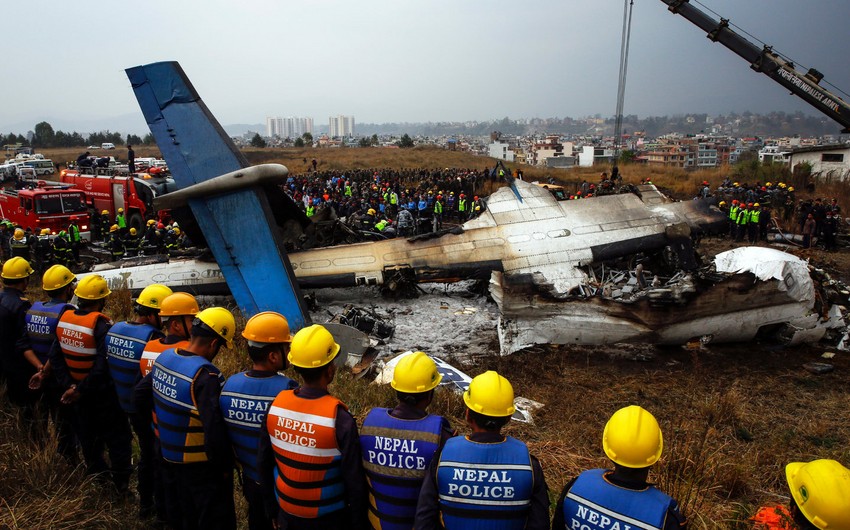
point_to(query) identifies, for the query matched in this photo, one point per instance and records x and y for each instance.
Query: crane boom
(765, 60)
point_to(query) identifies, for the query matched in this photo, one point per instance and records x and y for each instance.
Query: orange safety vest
(152, 350)
(308, 478)
(76, 339)
(773, 518)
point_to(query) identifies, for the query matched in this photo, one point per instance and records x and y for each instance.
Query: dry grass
(732, 416)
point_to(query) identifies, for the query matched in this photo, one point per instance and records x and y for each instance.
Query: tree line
(43, 135)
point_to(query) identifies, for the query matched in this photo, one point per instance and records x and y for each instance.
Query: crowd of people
(303, 462)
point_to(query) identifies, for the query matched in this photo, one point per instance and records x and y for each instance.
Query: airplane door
(118, 195)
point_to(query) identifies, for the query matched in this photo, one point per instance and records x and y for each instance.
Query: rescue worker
(438, 213)
(5, 237)
(120, 221)
(462, 208)
(753, 224)
(75, 239)
(733, 218)
(42, 318)
(62, 250)
(398, 444)
(176, 312)
(319, 481)
(245, 400)
(486, 479)
(78, 360)
(20, 245)
(183, 390)
(43, 251)
(151, 239)
(742, 221)
(172, 241)
(132, 243)
(125, 344)
(115, 244)
(18, 362)
(632, 440)
(820, 499)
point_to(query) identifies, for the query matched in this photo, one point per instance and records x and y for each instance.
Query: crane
(765, 60)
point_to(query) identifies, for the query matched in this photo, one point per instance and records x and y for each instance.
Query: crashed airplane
(611, 269)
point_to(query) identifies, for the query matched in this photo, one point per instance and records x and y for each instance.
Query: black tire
(136, 221)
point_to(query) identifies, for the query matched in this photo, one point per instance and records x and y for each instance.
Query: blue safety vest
(42, 319)
(125, 343)
(592, 500)
(396, 455)
(484, 486)
(181, 433)
(244, 402)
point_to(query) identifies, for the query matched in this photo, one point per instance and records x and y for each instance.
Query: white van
(41, 167)
(107, 145)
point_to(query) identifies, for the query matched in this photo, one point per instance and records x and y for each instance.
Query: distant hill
(238, 129)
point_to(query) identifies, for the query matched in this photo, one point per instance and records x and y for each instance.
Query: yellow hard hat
(56, 277)
(791, 188)
(19, 234)
(120, 210)
(220, 320)
(782, 184)
(756, 205)
(176, 231)
(768, 184)
(45, 232)
(822, 491)
(416, 373)
(16, 268)
(151, 222)
(632, 438)
(92, 287)
(153, 295)
(490, 394)
(104, 212)
(178, 304)
(312, 347)
(132, 231)
(267, 327)
(722, 203)
(371, 211)
(736, 184)
(113, 228)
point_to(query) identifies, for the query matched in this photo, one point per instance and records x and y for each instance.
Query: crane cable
(621, 82)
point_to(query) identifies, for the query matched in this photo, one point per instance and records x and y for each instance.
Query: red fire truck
(105, 191)
(46, 207)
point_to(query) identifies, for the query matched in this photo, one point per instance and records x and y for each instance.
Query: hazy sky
(397, 60)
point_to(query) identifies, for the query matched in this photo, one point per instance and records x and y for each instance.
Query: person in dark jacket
(78, 360)
(183, 389)
(632, 440)
(310, 461)
(246, 397)
(485, 479)
(17, 360)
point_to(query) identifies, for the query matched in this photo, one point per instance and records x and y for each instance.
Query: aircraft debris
(818, 368)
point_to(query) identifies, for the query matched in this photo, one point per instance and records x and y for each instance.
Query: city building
(829, 162)
(339, 126)
(289, 127)
(502, 151)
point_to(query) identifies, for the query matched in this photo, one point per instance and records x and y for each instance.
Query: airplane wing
(239, 226)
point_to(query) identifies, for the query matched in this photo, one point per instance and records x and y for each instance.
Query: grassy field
(732, 416)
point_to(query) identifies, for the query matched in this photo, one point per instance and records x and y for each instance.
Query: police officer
(398, 444)
(42, 319)
(176, 312)
(245, 399)
(486, 479)
(125, 344)
(78, 360)
(632, 440)
(17, 360)
(313, 444)
(184, 389)
(820, 499)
